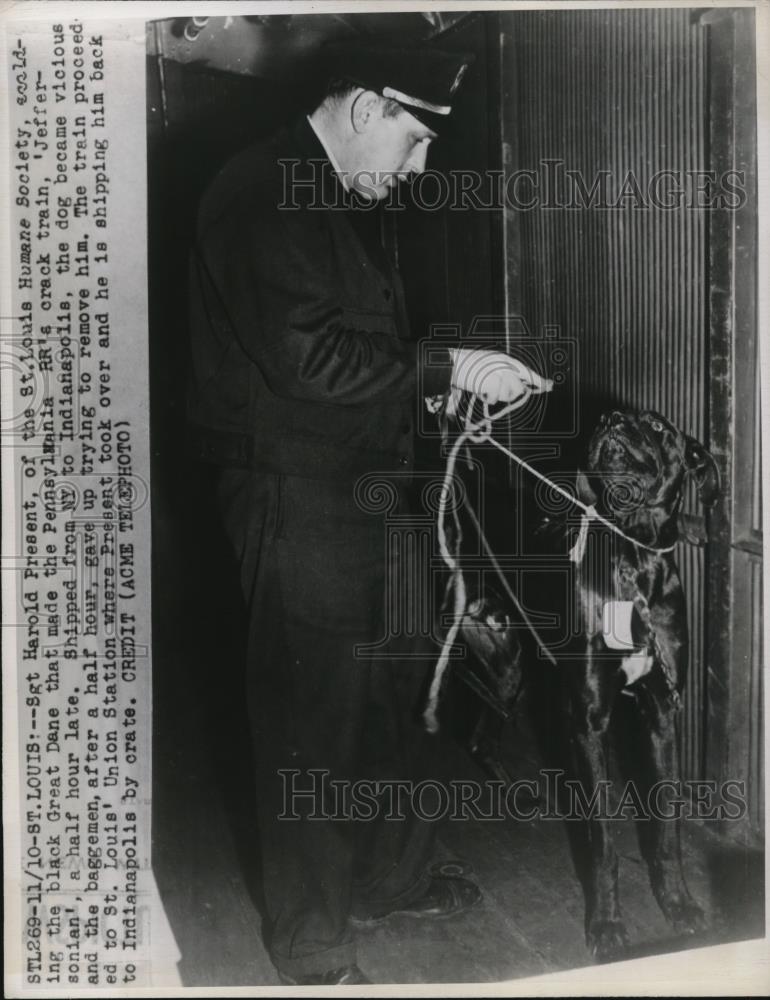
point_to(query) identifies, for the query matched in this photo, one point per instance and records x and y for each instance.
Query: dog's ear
(703, 467)
(584, 490)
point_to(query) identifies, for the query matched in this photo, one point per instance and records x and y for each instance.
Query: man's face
(389, 148)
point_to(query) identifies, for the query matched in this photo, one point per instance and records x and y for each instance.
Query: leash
(481, 433)
(474, 433)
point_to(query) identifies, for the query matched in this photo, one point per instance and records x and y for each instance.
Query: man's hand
(493, 376)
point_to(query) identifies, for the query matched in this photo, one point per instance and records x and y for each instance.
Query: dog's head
(636, 469)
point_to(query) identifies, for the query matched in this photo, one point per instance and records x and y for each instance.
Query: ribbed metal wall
(755, 568)
(620, 91)
(756, 719)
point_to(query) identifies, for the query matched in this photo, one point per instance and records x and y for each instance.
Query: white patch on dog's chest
(616, 624)
(636, 666)
(617, 631)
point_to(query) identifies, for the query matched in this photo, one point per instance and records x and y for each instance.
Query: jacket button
(404, 460)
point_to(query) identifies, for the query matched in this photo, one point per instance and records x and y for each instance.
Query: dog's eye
(656, 426)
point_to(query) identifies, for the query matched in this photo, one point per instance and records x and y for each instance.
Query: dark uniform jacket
(302, 359)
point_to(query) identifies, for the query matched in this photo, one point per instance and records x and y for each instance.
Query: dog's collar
(590, 513)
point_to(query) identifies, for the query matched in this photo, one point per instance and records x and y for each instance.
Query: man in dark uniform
(305, 378)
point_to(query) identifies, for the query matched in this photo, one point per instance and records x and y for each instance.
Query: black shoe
(445, 896)
(348, 975)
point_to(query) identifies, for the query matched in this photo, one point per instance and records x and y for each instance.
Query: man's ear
(364, 109)
(584, 490)
(701, 464)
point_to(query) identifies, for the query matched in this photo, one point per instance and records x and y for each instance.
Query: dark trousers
(313, 569)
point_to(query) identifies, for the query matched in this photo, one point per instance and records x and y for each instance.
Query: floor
(531, 917)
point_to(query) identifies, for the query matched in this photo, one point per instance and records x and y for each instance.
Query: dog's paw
(682, 912)
(606, 939)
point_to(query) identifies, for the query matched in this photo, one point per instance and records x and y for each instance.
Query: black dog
(631, 635)
(636, 470)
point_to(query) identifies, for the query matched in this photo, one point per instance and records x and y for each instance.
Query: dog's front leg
(593, 687)
(661, 839)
